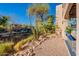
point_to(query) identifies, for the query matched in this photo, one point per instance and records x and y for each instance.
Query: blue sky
(18, 11)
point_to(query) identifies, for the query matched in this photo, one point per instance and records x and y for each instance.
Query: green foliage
(18, 46)
(69, 29)
(3, 20)
(50, 20)
(45, 28)
(50, 24)
(40, 9)
(53, 28)
(41, 27)
(35, 33)
(6, 48)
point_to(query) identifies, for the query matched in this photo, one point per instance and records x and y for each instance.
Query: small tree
(50, 25)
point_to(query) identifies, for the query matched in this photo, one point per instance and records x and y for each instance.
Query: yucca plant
(38, 10)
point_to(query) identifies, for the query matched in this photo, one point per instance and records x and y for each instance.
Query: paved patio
(54, 46)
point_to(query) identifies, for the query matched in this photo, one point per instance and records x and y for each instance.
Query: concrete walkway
(54, 46)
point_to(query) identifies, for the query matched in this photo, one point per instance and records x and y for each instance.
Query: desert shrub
(6, 48)
(18, 46)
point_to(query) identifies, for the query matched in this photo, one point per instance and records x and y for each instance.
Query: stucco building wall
(59, 16)
(62, 13)
(77, 41)
(60, 21)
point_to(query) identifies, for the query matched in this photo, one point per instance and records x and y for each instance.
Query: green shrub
(18, 46)
(50, 24)
(6, 48)
(53, 28)
(69, 29)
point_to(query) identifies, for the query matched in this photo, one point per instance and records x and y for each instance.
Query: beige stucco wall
(77, 41)
(60, 21)
(59, 18)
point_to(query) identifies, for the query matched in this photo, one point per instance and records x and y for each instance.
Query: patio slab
(54, 46)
